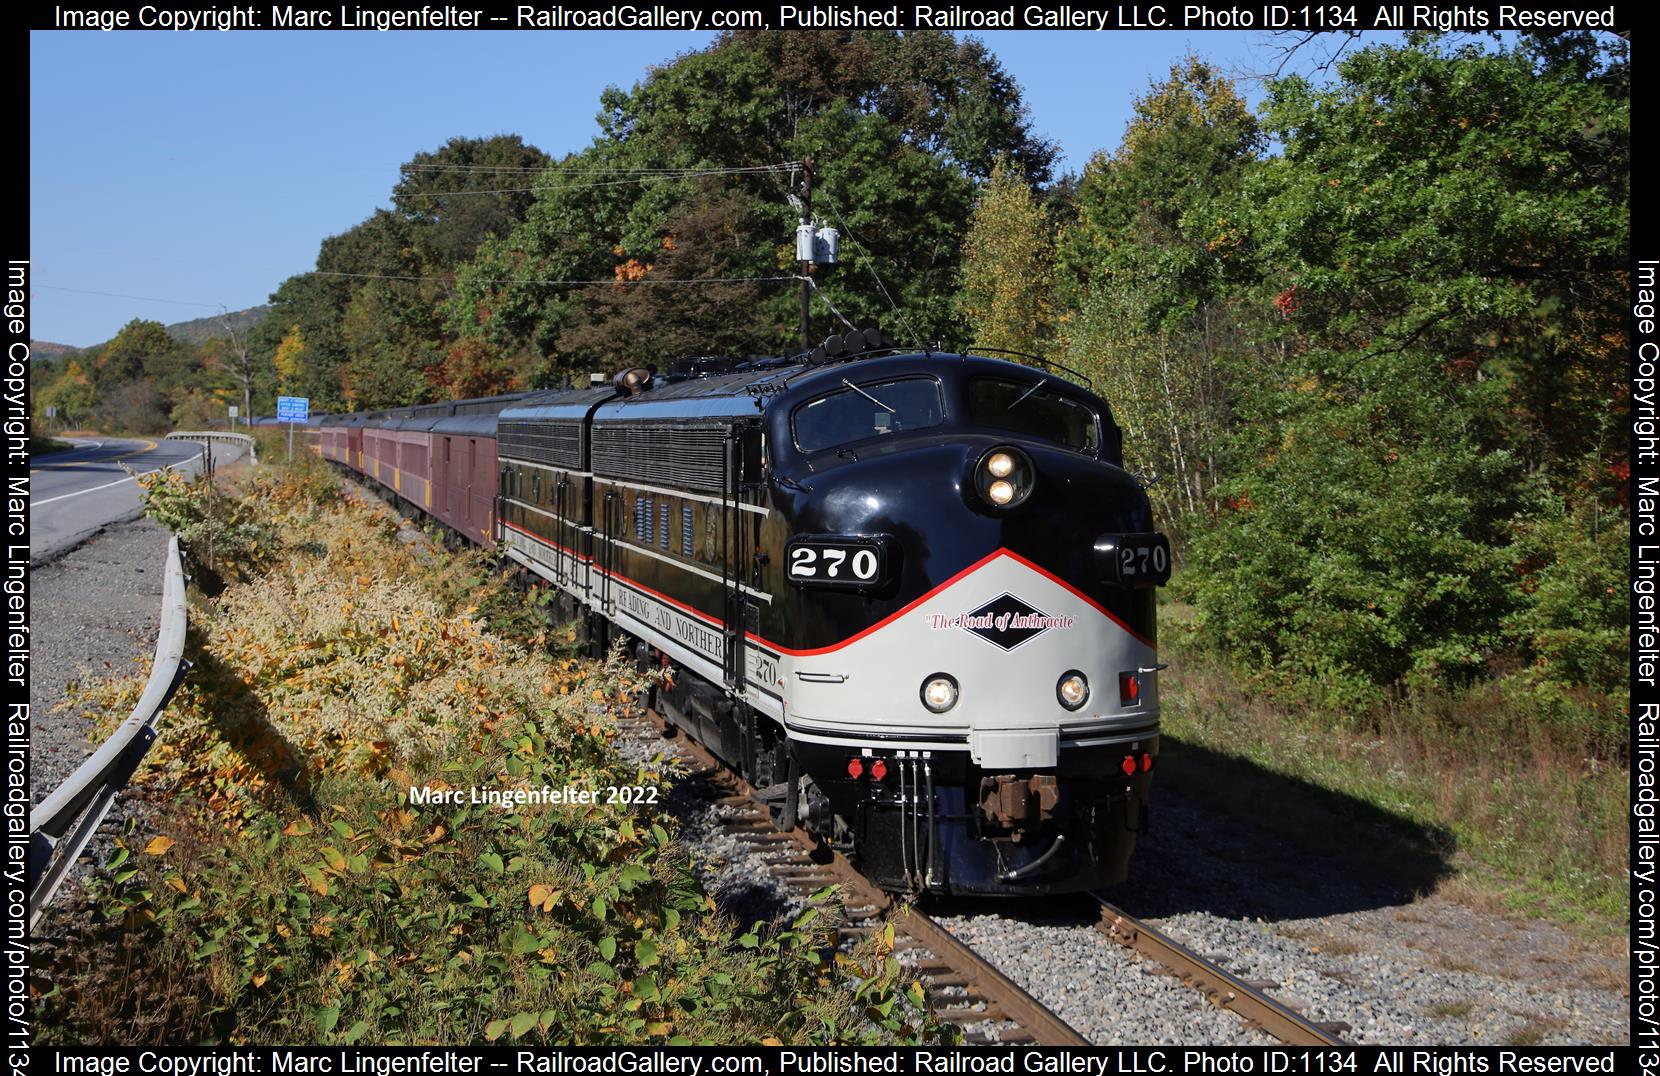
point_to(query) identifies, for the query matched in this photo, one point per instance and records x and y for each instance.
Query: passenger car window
(857, 413)
(1034, 410)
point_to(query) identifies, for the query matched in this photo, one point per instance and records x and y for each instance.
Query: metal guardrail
(212, 437)
(90, 791)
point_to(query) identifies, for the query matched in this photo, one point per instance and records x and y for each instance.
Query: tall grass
(1515, 816)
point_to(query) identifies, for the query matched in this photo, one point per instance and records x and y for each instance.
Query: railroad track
(963, 988)
(1221, 987)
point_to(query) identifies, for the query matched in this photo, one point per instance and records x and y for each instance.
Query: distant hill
(199, 331)
(202, 330)
(45, 349)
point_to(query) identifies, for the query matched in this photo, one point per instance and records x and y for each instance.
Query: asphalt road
(73, 494)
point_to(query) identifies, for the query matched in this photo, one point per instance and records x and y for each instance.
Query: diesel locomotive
(909, 595)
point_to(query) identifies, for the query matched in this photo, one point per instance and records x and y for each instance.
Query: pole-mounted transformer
(819, 245)
(814, 245)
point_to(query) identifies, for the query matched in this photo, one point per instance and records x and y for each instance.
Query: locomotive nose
(1019, 480)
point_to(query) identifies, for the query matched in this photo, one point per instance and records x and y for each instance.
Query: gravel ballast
(1336, 944)
(93, 612)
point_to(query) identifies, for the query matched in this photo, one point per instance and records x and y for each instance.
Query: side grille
(557, 444)
(685, 457)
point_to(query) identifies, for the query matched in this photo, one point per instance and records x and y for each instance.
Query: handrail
(91, 790)
(242, 439)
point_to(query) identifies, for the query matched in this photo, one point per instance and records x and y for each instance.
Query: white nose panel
(1007, 632)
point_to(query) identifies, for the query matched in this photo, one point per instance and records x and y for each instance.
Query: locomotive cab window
(861, 412)
(1033, 410)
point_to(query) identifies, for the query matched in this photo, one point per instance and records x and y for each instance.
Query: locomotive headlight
(939, 692)
(1004, 477)
(1072, 690)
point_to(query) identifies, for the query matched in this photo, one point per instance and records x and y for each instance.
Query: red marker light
(1129, 688)
(879, 770)
(1128, 765)
(1146, 762)
(855, 768)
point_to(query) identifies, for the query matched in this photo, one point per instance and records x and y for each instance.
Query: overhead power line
(870, 264)
(820, 293)
(782, 167)
(569, 283)
(121, 295)
(643, 178)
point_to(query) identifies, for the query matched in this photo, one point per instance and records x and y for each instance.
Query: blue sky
(204, 168)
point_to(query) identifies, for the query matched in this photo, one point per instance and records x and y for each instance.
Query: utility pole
(807, 265)
(244, 370)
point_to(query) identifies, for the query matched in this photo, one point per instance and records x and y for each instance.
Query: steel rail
(90, 791)
(1046, 1028)
(1008, 1000)
(1223, 989)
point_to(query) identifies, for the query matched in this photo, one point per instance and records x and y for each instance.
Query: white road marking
(107, 485)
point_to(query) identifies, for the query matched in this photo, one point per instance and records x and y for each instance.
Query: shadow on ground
(1235, 839)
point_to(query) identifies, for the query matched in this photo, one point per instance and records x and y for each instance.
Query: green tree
(197, 409)
(1440, 244)
(386, 347)
(900, 128)
(374, 252)
(1008, 265)
(72, 393)
(1149, 277)
(135, 350)
(1473, 207)
(453, 198)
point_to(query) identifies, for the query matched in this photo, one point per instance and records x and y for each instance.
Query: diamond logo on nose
(1009, 622)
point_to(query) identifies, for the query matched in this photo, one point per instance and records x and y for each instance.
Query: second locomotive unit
(910, 596)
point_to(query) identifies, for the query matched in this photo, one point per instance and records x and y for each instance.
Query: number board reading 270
(851, 562)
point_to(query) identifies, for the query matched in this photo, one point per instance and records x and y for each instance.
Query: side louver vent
(557, 444)
(684, 457)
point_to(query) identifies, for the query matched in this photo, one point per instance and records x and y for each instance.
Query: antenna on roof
(1037, 360)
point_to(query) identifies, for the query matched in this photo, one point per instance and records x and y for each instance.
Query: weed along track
(963, 987)
(346, 835)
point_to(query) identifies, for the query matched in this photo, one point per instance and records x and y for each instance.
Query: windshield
(858, 412)
(1034, 410)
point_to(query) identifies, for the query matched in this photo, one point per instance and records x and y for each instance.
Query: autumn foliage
(289, 882)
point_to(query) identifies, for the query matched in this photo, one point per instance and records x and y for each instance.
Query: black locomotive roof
(747, 392)
(742, 393)
(559, 405)
(828, 376)
(733, 395)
